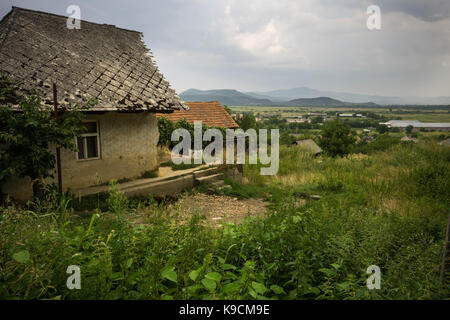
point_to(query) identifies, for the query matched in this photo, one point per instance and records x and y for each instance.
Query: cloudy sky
(263, 45)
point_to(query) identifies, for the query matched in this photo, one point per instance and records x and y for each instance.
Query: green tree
(337, 139)
(381, 128)
(248, 121)
(286, 139)
(165, 127)
(29, 133)
(316, 120)
(409, 129)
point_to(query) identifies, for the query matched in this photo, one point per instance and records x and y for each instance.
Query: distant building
(295, 120)
(316, 114)
(348, 115)
(417, 125)
(407, 139)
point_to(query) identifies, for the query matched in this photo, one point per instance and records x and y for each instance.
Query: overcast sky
(263, 45)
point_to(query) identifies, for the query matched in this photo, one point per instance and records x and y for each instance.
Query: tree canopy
(337, 139)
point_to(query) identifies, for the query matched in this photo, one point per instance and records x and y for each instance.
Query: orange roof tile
(210, 113)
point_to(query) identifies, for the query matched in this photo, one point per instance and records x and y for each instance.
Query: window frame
(84, 136)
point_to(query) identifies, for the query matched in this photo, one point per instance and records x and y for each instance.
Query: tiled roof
(210, 113)
(96, 61)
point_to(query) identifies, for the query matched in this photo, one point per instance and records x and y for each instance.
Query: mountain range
(303, 96)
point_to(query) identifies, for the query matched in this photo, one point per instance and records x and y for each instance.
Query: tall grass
(387, 208)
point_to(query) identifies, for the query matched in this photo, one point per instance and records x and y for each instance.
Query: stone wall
(128, 147)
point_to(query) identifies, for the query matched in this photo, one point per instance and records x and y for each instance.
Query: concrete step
(218, 184)
(209, 179)
(205, 172)
(166, 187)
(145, 182)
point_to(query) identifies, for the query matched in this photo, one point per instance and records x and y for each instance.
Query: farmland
(427, 114)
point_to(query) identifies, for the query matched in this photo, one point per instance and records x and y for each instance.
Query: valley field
(425, 114)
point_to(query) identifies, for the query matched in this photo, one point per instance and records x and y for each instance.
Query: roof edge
(14, 8)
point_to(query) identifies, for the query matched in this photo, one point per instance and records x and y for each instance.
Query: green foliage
(336, 139)
(383, 142)
(149, 174)
(409, 129)
(286, 139)
(29, 134)
(117, 202)
(166, 127)
(300, 250)
(247, 121)
(432, 181)
(381, 128)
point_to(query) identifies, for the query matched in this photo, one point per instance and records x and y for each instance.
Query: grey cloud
(258, 45)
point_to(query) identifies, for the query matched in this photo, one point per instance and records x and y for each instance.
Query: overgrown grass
(387, 208)
(149, 174)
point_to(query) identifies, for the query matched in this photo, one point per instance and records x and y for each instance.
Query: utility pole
(58, 150)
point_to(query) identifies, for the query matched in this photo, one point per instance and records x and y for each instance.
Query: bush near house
(28, 135)
(166, 127)
(388, 209)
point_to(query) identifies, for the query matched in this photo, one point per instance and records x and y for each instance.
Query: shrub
(117, 202)
(337, 139)
(382, 143)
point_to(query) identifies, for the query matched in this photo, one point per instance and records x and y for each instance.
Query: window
(88, 142)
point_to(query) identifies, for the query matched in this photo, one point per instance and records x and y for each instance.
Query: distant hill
(316, 102)
(235, 98)
(288, 97)
(305, 92)
(224, 96)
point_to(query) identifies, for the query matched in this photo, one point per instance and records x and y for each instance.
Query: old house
(310, 145)
(97, 61)
(409, 139)
(209, 113)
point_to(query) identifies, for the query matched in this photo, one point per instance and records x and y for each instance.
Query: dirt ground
(218, 209)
